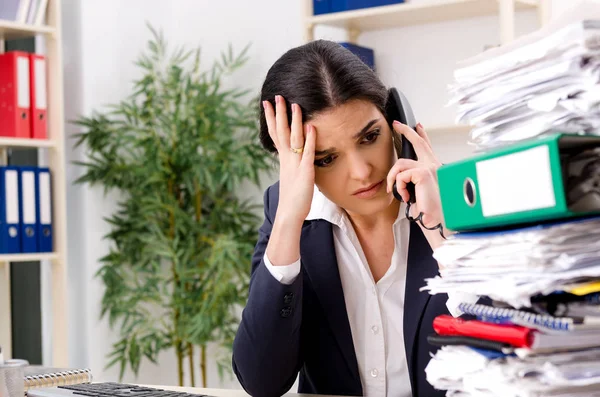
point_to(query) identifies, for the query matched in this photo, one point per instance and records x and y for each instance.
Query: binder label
(28, 197)
(23, 93)
(45, 208)
(12, 196)
(516, 182)
(40, 84)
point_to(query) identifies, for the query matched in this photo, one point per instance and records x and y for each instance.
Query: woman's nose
(360, 168)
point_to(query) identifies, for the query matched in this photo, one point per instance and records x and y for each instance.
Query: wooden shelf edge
(28, 257)
(450, 128)
(27, 143)
(530, 3)
(13, 30)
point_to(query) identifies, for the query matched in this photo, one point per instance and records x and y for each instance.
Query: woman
(336, 272)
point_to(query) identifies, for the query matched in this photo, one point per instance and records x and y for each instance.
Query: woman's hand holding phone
(422, 173)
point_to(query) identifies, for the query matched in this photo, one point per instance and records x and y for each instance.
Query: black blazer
(304, 327)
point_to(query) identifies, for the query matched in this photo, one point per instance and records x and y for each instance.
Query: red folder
(39, 99)
(15, 113)
(514, 335)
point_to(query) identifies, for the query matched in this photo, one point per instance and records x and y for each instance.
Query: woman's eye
(325, 161)
(371, 136)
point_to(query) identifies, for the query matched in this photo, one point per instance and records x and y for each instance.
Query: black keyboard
(111, 389)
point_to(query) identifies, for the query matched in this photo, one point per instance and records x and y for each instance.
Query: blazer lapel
(320, 263)
(421, 265)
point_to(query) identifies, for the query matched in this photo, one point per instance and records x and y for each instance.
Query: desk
(223, 392)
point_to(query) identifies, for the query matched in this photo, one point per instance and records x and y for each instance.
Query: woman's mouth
(368, 191)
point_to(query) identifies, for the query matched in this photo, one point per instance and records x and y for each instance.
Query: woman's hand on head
(423, 173)
(296, 168)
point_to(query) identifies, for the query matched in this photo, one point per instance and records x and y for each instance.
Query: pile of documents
(514, 265)
(482, 374)
(535, 328)
(543, 83)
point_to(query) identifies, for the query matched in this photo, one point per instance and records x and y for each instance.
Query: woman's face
(354, 153)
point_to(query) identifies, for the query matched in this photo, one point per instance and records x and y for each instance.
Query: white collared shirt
(375, 310)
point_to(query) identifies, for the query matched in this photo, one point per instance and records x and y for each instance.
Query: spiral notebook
(527, 319)
(40, 376)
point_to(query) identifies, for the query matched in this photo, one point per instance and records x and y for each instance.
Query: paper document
(544, 83)
(513, 265)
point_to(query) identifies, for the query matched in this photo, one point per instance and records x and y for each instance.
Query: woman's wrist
(285, 220)
(284, 244)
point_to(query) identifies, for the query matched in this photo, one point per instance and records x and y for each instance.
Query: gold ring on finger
(297, 151)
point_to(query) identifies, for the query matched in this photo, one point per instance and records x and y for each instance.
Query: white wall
(559, 6)
(102, 38)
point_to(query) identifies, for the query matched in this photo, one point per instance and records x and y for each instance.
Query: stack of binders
(23, 95)
(526, 258)
(25, 210)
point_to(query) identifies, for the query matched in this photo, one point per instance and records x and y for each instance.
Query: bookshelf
(419, 12)
(27, 143)
(44, 256)
(54, 146)
(10, 30)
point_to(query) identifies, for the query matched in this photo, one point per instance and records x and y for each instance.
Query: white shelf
(10, 30)
(413, 13)
(452, 128)
(28, 257)
(27, 143)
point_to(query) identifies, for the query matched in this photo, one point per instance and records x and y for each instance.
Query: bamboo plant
(177, 150)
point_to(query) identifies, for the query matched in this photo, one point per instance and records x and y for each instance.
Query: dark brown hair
(318, 76)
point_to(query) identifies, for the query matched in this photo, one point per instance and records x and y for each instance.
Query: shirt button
(374, 291)
(375, 329)
(374, 372)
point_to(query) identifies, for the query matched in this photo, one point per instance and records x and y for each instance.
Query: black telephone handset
(398, 108)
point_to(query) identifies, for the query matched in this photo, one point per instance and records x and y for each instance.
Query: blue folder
(347, 5)
(367, 55)
(321, 7)
(27, 209)
(43, 191)
(10, 241)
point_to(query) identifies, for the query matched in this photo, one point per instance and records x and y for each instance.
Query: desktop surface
(226, 392)
(115, 389)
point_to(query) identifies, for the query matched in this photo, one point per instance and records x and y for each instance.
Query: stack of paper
(505, 352)
(513, 265)
(479, 374)
(547, 82)
(535, 330)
